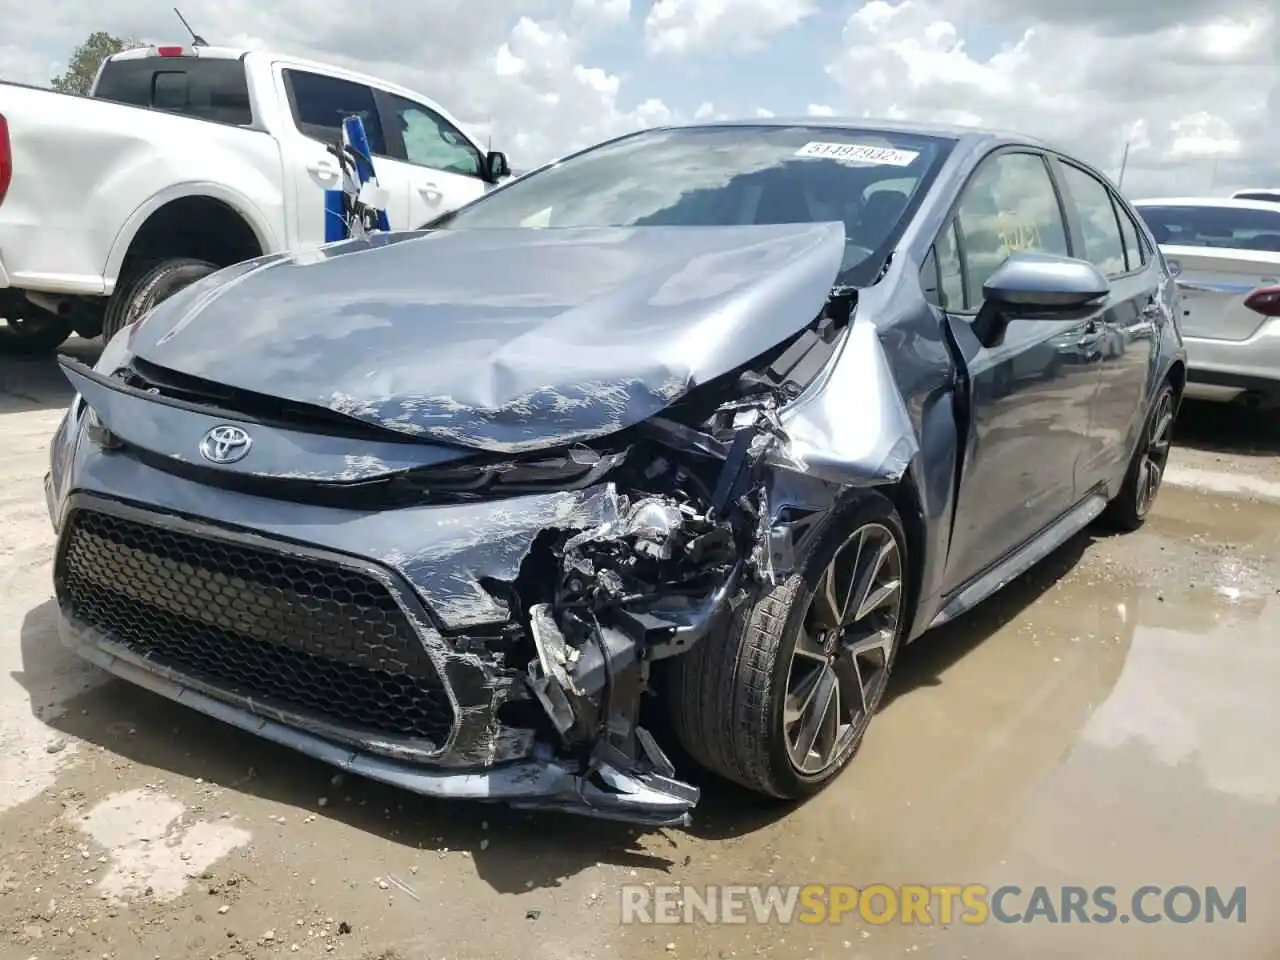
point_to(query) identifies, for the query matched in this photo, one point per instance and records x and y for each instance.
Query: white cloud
(683, 27)
(528, 80)
(1188, 84)
(603, 13)
(1201, 135)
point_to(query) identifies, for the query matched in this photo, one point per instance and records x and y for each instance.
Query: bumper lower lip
(535, 784)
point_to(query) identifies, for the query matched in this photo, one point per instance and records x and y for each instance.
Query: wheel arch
(251, 233)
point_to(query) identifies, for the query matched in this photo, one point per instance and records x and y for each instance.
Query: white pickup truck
(106, 208)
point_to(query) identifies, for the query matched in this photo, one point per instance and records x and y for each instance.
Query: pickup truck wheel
(142, 289)
(34, 331)
(780, 702)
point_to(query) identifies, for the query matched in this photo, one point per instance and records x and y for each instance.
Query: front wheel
(780, 702)
(1128, 511)
(145, 288)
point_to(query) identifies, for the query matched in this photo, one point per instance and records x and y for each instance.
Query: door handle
(431, 193)
(323, 171)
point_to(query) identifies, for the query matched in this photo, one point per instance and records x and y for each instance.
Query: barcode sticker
(858, 153)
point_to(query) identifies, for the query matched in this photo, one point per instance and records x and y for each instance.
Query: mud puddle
(1110, 719)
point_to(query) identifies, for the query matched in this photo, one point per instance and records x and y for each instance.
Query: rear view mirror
(1041, 285)
(1038, 286)
(496, 166)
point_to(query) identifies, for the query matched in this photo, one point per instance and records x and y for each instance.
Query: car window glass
(950, 271)
(1237, 228)
(1103, 245)
(210, 89)
(1009, 205)
(431, 141)
(1133, 252)
(321, 103)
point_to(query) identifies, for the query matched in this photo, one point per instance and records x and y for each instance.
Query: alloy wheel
(1155, 457)
(840, 664)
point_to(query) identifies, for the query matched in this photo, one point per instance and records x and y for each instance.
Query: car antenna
(196, 39)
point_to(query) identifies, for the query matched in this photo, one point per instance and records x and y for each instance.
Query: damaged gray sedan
(706, 420)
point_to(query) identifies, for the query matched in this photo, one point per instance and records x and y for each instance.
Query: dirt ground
(1109, 719)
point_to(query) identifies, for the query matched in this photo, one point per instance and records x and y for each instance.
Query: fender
(242, 205)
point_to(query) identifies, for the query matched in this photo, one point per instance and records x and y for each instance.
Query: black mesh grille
(316, 637)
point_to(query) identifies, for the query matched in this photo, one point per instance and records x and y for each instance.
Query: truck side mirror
(496, 166)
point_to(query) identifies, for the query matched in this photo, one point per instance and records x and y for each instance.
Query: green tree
(83, 66)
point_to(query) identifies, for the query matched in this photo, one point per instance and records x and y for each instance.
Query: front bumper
(474, 755)
(540, 782)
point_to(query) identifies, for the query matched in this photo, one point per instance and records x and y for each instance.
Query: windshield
(1235, 228)
(869, 180)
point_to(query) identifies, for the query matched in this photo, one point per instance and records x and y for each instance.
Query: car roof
(1220, 202)
(971, 135)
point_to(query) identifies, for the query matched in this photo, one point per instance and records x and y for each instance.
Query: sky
(1191, 86)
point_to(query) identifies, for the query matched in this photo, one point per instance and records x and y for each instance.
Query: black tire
(1129, 510)
(726, 694)
(143, 287)
(34, 332)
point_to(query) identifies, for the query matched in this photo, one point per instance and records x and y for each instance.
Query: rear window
(1234, 229)
(209, 89)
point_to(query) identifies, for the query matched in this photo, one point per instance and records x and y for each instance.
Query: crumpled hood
(502, 340)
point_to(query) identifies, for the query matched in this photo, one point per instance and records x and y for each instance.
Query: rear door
(439, 165)
(1221, 255)
(1122, 345)
(1028, 394)
(319, 104)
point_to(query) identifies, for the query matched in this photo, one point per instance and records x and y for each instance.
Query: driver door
(1028, 394)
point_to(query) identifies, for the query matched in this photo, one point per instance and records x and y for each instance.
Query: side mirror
(1043, 286)
(496, 166)
(1038, 286)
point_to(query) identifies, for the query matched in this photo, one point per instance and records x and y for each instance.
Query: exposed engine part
(648, 584)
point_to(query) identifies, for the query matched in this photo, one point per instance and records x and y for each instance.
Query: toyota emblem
(225, 444)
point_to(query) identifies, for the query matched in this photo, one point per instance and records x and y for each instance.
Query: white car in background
(1226, 256)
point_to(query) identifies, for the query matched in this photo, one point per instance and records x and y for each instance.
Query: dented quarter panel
(503, 340)
(852, 426)
(924, 374)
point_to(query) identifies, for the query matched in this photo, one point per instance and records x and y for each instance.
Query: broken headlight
(571, 469)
